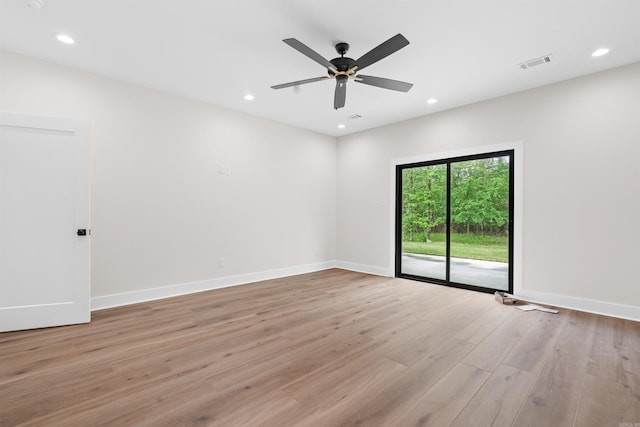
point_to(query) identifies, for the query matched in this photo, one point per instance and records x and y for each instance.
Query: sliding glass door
(455, 221)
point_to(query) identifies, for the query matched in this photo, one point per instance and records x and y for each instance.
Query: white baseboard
(622, 311)
(126, 298)
(362, 268)
(108, 301)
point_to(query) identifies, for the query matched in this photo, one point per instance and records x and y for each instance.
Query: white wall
(162, 214)
(581, 143)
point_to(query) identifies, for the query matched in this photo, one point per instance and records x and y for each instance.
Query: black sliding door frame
(398, 215)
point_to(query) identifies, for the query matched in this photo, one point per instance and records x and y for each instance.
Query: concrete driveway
(489, 274)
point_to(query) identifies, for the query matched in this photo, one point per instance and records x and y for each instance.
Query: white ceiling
(460, 51)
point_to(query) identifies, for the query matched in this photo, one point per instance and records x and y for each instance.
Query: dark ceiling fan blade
(300, 82)
(308, 52)
(341, 94)
(381, 51)
(384, 83)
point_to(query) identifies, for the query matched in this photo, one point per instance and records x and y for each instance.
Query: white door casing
(44, 199)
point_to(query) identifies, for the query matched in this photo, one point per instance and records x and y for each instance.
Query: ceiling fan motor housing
(341, 64)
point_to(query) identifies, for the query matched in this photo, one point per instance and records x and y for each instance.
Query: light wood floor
(325, 349)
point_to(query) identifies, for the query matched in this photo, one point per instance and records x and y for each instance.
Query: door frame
(518, 175)
(78, 310)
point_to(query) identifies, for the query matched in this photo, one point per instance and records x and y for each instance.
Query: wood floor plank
(531, 351)
(498, 401)
(490, 352)
(612, 375)
(484, 324)
(613, 353)
(443, 402)
(333, 409)
(330, 348)
(554, 397)
(412, 343)
(384, 406)
(606, 402)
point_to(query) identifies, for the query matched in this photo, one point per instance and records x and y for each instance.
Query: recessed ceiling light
(341, 126)
(600, 52)
(431, 101)
(249, 97)
(65, 39)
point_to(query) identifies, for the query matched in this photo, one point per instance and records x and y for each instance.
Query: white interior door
(44, 201)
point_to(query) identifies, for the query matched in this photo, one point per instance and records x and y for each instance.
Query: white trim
(362, 268)
(518, 211)
(582, 304)
(134, 297)
(116, 300)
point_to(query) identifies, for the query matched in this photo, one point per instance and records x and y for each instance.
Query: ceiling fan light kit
(343, 69)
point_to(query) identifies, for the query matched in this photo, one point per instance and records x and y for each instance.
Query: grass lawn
(488, 248)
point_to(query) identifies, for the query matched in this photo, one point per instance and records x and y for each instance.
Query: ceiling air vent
(35, 4)
(535, 62)
(354, 117)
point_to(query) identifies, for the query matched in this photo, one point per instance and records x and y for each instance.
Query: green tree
(423, 201)
(479, 198)
(480, 194)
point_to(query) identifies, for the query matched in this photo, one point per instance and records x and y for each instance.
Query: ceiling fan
(343, 69)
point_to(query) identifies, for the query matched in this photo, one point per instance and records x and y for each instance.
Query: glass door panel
(424, 221)
(480, 222)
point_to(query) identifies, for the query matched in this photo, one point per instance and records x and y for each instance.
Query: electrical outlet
(220, 262)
